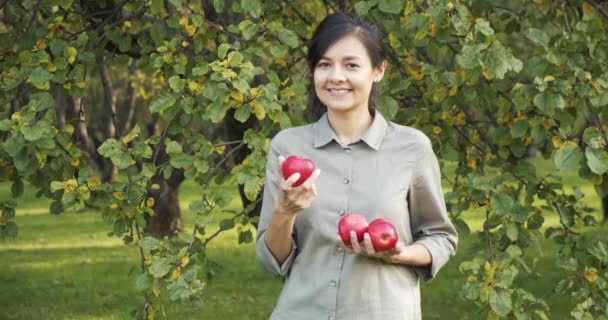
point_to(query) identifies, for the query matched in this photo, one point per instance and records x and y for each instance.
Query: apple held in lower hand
(352, 222)
(383, 235)
(305, 167)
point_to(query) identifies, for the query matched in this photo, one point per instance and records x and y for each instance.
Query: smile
(338, 92)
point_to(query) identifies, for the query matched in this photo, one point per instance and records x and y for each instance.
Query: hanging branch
(565, 14)
(598, 7)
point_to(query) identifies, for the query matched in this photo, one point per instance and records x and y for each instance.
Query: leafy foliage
(489, 83)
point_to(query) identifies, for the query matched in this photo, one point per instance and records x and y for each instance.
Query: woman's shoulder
(407, 134)
(294, 134)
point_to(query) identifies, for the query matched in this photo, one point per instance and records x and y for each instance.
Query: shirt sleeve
(430, 224)
(265, 257)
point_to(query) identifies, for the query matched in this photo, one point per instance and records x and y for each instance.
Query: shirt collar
(373, 137)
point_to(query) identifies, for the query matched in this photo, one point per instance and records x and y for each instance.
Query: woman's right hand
(290, 199)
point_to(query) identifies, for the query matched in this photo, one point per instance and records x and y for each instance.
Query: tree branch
(598, 123)
(565, 14)
(489, 235)
(598, 7)
(561, 220)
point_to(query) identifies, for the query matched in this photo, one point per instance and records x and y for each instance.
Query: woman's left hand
(366, 248)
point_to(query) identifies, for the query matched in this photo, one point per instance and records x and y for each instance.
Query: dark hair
(333, 28)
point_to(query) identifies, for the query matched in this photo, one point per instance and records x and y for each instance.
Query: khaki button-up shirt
(390, 173)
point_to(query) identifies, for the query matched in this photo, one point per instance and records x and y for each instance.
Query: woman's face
(344, 75)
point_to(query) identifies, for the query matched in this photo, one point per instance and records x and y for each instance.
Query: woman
(369, 166)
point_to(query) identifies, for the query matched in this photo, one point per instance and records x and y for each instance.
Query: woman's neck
(349, 127)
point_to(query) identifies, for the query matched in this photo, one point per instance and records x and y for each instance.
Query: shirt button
(330, 318)
(342, 212)
(334, 283)
(346, 180)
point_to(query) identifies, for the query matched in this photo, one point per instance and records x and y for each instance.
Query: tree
(112, 104)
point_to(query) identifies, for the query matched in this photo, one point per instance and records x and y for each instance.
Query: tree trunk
(167, 218)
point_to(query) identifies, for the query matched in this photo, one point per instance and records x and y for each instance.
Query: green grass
(66, 267)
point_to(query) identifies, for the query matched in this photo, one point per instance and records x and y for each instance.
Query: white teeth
(338, 91)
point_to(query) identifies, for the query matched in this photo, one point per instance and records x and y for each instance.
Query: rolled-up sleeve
(430, 224)
(265, 257)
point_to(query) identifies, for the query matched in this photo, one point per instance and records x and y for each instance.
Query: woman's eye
(322, 64)
(352, 65)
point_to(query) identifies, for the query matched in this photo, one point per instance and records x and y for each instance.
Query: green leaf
(245, 237)
(514, 251)
(134, 133)
(469, 57)
(538, 36)
(161, 103)
(568, 156)
(176, 3)
(548, 101)
(289, 38)
(242, 113)
(391, 6)
(177, 84)
(56, 207)
(226, 224)
(597, 160)
(519, 129)
(159, 267)
(149, 243)
(600, 100)
(535, 221)
(40, 77)
(511, 231)
(182, 160)
(483, 26)
(248, 29)
(157, 6)
(109, 148)
(253, 7)
(218, 5)
(500, 302)
(362, 7)
(594, 138)
(504, 278)
(122, 160)
(222, 50)
(388, 107)
(6, 124)
(174, 148)
(17, 188)
(501, 203)
(57, 185)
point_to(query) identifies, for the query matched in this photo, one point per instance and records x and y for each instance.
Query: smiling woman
(366, 165)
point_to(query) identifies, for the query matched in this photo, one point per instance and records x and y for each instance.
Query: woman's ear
(379, 71)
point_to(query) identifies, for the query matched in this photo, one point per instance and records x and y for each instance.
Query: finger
(314, 190)
(367, 243)
(313, 178)
(281, 160)
(354, 242)
(288, 184)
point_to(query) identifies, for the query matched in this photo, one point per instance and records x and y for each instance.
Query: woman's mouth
(338, 92)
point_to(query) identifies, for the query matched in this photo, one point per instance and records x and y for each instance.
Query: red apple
(352, 222)
(305, 167)
(383, 235)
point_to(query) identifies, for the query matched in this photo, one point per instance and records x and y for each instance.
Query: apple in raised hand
(352, 222)
(383, 234)
(305, 167)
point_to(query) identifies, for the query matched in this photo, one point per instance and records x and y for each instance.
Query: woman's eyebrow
(347, 58)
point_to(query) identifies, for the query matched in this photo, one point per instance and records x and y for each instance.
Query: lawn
(66, 267)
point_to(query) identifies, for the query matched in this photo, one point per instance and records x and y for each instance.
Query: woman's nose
(337, 74)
